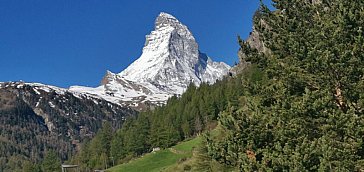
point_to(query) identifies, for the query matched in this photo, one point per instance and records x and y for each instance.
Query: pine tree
(51, 162)
(106, 137)
(117, 146)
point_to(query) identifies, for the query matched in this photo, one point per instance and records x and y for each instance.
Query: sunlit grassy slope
(161, 160)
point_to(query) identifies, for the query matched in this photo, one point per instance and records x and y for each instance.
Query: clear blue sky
(74, 42)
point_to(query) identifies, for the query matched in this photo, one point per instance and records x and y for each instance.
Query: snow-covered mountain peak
(164, 20)
(170, 61)
(166, 23)
(166, 15)
(169, 50)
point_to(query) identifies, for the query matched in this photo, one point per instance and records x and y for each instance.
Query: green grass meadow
(161, 160)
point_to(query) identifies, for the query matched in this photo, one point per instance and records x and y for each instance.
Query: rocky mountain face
(170, 61)
(255, 42)
(37, 117)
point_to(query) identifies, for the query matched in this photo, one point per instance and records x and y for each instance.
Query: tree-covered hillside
(183, 117)
(35, 120)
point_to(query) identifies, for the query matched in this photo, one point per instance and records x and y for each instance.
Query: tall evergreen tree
(51, 162)
(106, 137)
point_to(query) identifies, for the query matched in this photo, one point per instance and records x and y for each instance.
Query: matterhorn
(170, 61)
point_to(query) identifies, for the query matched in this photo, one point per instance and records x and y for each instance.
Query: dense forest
(296, 107)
